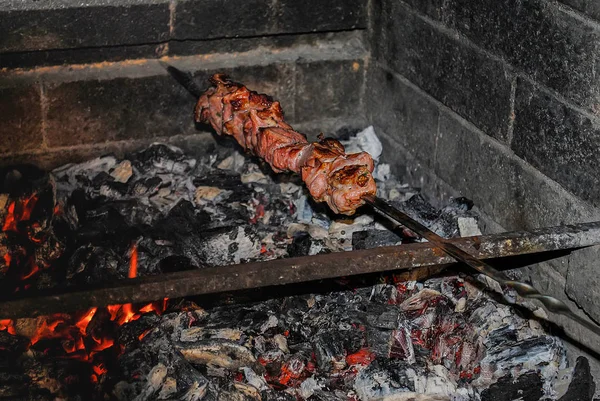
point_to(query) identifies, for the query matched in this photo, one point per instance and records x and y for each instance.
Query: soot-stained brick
(328, 89)
(553, 46)
(460, 76)
(431, 8)
(39, 28)
(321, 16)
(20, 119)
(403, 112)
(487, 172)
(590, 8)
(206, 19)
(96, 111)
(559, 141)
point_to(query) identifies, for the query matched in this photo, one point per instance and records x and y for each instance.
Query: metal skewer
(523, 289)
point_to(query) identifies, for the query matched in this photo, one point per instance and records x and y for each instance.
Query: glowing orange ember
(85, 320)
(362, 357)
(8, 325)
(99, 369)
(21, 213)
(133, 262)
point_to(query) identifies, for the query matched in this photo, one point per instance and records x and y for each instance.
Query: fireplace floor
(160, 210)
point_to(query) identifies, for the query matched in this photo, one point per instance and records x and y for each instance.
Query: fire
(73, 334)
(17, 214)
(8, 325)
(133, 262)
(85, 320)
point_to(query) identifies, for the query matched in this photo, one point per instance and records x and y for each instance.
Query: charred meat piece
(257, 124)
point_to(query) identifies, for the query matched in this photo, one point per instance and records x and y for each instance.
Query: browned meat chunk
(256, 122)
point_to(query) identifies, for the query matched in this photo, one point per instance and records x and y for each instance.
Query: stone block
(583, 281)
(321, 16)
(331, 88)
(462, 77)
(33, 26)
(590, 8)
(20, 118)
(548, 281)
(507, 189)
(208, 19)
(403, 112)
(558, 140)
(96, 111)
(432, 8)
(554, 46)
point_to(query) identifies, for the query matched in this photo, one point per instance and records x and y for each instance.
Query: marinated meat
(257, 124)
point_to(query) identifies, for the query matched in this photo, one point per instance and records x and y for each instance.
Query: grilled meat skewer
(257, 124)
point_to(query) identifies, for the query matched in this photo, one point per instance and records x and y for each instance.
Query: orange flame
(16, 214)
(85, 320)
(8, 325)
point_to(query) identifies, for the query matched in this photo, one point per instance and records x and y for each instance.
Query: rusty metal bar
(405, 258)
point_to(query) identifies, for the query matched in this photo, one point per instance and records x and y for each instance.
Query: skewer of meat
(257, 124)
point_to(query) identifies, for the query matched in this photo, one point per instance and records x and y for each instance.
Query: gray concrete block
(328, 89)
(509, 190)
(546, 280)
(404, 112)
(96, 111)
(460, 76)
(583, 280)
(20, 118)
(554, 46)
(73, 26)
(560, 141)
(588, 7)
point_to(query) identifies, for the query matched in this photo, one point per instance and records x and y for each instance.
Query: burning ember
(161, 211)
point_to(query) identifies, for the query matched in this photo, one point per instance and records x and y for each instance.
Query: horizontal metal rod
(404, 258)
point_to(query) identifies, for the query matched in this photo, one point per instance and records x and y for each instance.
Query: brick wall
(80, 80)
(498, 101)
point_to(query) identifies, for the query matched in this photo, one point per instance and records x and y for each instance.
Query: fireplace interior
(482, 119)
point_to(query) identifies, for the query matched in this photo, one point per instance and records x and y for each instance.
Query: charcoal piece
(383, 294)
(502, 337)
(418, 208)
(163, 157)
(300, 245)
(11, 343)
(374, 238)
(383, 378)
(182, 219)
(219, 353)
(129, 334)
(329, 351)
(92, 264)
(526, 387)
(353, 340)
(146, 186)
(226, 180)
(100, 179)
(271, 395)
(175, 263)
(582, 386)
(379, 341)
(383, 316)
